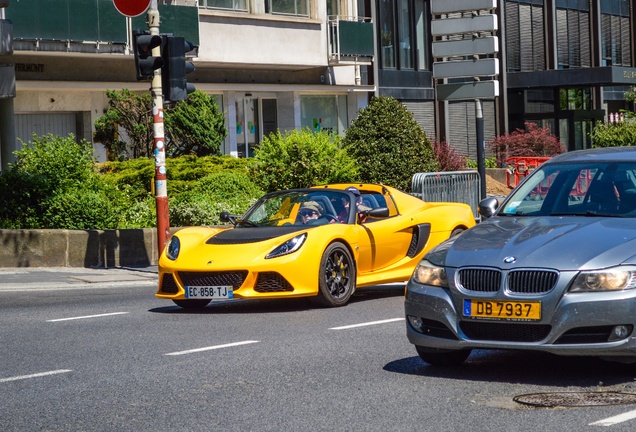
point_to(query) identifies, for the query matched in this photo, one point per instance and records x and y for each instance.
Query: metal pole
(481, 160)
(161, 187)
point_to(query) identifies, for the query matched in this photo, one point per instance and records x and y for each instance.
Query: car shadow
(283, 305)
(527, 367)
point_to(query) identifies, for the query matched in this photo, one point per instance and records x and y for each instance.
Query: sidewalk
(43, 278)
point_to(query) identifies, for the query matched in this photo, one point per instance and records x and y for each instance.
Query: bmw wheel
(337, 277)
(442, 357)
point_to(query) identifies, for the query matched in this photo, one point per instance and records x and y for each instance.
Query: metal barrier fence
(451, 186)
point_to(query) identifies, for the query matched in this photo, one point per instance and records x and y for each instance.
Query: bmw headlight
(428, 274)
(173, 248)
(290, 246)
(615, 279)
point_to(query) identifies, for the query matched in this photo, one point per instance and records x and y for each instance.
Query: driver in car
(310, 212)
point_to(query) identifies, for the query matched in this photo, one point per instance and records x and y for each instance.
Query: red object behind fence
(517, 168)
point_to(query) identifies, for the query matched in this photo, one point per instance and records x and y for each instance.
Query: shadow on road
(282, 305)
(534, 368)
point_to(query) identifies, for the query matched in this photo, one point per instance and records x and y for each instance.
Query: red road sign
(131, 8)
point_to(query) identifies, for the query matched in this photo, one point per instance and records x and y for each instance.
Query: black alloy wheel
(337, 277)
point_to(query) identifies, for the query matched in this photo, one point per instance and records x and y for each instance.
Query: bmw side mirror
(488, 207)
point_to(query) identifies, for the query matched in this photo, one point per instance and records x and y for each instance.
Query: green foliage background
(614, 134)
(56, 183)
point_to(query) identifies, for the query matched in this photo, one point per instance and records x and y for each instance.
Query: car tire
(442, 357)
(192, 304)
(337, 276)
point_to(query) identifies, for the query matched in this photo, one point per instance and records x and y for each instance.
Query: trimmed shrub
(299, 159)
(388, 145)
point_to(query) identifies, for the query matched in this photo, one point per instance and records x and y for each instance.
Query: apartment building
(269, 64)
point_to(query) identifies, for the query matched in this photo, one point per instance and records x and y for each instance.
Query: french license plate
(509, 310)
(217, 292)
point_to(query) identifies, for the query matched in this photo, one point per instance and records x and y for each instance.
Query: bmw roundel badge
(509, 260)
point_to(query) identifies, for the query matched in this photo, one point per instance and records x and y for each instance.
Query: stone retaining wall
(78, 248)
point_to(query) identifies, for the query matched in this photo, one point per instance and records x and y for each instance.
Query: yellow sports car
(321, 242)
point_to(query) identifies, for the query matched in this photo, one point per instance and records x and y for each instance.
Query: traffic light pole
(159, 147)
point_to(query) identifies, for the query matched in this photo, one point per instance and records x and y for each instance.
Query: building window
(387, 34)
(615, 33)
(324, 113)
(575, 99)
(404, 34)
(405, 38)
(525, 41)
(421, 35)
(236, 5)
(287, 7)
(277, 7)
(573, 33)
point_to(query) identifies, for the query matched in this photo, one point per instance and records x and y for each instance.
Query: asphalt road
(112, 357)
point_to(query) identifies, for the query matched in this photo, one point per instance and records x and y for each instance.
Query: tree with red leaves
(532, 142)
(447, 157)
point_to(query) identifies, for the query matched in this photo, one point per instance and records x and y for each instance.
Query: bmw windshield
(587, 189)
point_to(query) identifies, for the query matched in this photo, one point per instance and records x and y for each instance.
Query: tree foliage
(301, 158)
(195, 126)
(388, 145)
(192, 126)
(532, 141)
(132, 113)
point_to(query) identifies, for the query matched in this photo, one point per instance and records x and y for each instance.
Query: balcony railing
(350, 40)
(92, 26)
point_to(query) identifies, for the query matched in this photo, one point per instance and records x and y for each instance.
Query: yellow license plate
(510, 310)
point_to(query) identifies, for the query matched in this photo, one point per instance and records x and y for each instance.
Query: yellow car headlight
(428, 274)
(290, 246)
(616, 279)
(173, 248)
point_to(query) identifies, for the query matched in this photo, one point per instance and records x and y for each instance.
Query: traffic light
(146, 64)
(175, 68)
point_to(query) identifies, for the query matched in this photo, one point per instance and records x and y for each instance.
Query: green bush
(489, 162)
(222, 191)
(388, 144)
(614, 134)
(81, 209)
(59, 162)
(51, 183)
(139, 214)
(22, 195)
(299, 159)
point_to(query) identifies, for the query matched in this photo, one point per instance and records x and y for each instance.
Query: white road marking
(616, 419)
(196, 350)
(366, 324)
(87, 316)
(21, 377)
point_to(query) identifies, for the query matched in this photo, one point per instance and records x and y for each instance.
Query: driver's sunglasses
(307, 212)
